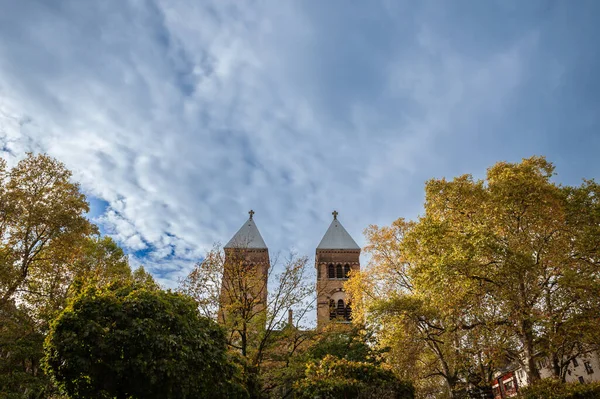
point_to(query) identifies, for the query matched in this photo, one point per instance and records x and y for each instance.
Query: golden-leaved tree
(509, 263)
(440, 349)
(42, 220)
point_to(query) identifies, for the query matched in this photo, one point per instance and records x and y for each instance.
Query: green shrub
(553, 389)
(333, 378)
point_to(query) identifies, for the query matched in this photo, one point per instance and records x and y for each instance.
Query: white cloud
(183, 116)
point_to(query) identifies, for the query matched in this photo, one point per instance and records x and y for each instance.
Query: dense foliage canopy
(496, 270)
(333, 378)
(129, 342)
(49, 250)
(553, 389)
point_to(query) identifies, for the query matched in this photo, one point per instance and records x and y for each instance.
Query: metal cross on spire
(334, 213)
(251, 213)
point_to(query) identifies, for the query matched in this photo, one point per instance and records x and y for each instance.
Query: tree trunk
(20, 279)
(526, 335)
(244, 336)
(533, 374)
(556, 369)
(451, 383)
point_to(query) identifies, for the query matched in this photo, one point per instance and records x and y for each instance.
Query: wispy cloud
(179, 116)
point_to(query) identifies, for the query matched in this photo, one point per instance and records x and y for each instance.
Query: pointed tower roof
(247, 236)
(337, 237)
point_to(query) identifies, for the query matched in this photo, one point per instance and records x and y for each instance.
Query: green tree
(128, 342)
(345, 342)
(94, 260)
(551, 388)
(141, 277)
(24, 326)
(334, 378)
(21, 341)
(292, 349)
(48, 250)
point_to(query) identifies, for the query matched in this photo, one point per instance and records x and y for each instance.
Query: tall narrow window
(331, 271)
(340, 308)
(348, 314)
(332, 310)
(339, 271)
(346, 271)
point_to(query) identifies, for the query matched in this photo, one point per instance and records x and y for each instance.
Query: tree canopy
(129, 342)
(42, 222)
(495, 270)
(332, 378)
(49, 251)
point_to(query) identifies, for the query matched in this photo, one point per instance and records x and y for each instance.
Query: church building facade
(336, 255)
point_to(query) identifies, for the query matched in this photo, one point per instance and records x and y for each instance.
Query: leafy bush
(353, 344)
(127, 342)
(333, 378)
(553, 389)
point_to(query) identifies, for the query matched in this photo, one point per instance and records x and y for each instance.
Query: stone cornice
(338, 251)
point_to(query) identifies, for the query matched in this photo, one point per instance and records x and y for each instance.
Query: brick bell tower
(245, 274)
(336, 255)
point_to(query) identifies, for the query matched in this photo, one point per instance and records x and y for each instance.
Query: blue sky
(179, 116)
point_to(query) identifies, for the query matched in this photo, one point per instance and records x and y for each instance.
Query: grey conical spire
(337, 237)
(247, 236)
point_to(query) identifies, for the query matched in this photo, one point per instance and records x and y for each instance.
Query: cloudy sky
(178, 116)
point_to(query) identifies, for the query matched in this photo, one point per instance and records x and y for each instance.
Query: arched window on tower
(348, 312)
(331, 271)
(341, 309)
(332, 310)
(339, 271)
(346, 270)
